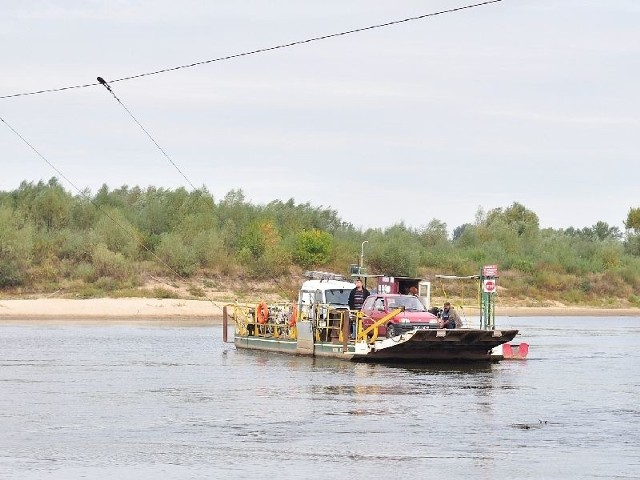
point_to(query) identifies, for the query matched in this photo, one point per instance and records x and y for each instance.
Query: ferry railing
(329, 324)
(279, 320)
(370, 334)
(332, 324)
(328, 321)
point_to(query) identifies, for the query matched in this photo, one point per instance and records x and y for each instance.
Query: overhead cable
(40, 155)
(103, 82)
(259, 50)
(84, 195)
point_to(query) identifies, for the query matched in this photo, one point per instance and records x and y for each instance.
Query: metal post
(362, 255)
(487, 301)
(484, 304)
(225, 324)
(346, 330)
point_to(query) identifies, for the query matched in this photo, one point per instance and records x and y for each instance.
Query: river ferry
(320, 324)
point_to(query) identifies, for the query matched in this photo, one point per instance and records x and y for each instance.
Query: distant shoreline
(566, 312)
(204, 312)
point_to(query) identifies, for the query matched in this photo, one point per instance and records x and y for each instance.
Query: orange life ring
(262, 313)
(293, 316)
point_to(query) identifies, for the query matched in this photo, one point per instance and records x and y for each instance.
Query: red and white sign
(489, 286)
(490, 271)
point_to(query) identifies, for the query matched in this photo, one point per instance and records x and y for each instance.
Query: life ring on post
(262, 313)
(293, 315)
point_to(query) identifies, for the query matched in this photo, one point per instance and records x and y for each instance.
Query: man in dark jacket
(358, 295)
(449, 318)
(356, 298)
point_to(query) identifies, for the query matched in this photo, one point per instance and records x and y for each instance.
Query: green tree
(633, 220)
(517, 217)
(632, 244)
(117, 233)
(252, 240)
(395, 251)
(110, 264)
(460, 229)
(388, 259)
(434, 234)
(210, 251)
(51, 206)
(602, 231)
(82, 213)
(175, 254)
(312, 248)
(15, 249)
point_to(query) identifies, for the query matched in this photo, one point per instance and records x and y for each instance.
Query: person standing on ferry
(356, 298)
(358, 295)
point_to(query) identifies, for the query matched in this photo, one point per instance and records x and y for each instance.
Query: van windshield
(338, 296)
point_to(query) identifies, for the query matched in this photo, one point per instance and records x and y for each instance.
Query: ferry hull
(413, 347)
(433, 345)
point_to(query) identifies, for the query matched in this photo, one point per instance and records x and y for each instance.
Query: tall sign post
(488, 285)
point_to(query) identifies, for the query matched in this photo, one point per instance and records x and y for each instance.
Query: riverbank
(210, 312)
(116, 310)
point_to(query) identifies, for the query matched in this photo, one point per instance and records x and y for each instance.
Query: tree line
(103, 242)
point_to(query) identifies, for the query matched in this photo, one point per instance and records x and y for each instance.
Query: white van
(331, 292)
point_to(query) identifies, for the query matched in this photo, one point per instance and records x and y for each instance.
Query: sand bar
(120, 310)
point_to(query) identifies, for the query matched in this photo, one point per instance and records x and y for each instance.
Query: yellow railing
(278, 323)
(373, 328)
(328, 323)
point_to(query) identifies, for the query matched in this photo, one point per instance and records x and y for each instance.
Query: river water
(148, 402)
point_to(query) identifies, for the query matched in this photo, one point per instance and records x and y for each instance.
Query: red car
(415, 314)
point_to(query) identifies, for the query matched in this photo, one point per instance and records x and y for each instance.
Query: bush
(210, 251)
(161, 292)
(84, 271)
(75, 245)
(176, 255)
(632, 245)
(196, 291)
(107, 284)
(391, 260)
(312, 248)
(110, 264)
(48, 270)
(630, 273)
(118, 234)
(274, 263)
(16, 246)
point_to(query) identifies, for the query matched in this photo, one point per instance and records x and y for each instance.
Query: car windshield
(338, 296)
(409, 302)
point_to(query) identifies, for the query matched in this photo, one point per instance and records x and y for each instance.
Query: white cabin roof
(313, 285)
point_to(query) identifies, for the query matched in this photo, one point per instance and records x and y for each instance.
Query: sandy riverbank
(117, 310)
(204, 312)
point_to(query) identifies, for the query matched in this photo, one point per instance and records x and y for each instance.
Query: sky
(535, 102)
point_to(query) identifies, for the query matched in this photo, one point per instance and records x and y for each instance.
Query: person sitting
(449, 318)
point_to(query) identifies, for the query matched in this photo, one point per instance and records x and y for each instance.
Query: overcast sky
(533, 101)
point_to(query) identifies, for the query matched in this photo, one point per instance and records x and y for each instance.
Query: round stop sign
(489, 286)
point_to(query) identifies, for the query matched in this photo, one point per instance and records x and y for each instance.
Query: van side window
(306, 298)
